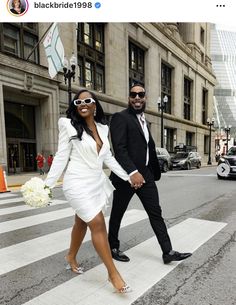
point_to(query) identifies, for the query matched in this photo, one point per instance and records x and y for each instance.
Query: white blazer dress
(85, 185)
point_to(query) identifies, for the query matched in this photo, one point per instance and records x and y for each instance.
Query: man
(134, 149)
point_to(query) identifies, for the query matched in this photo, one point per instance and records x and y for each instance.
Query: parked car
(186, 160)
(230, 160)
(164, 159)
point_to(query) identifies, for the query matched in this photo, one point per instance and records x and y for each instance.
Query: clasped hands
(137, 180)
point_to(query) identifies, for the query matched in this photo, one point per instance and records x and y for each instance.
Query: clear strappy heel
(124, 289)
(75, 269)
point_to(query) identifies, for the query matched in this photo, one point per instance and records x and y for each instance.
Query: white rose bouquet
(36, 193)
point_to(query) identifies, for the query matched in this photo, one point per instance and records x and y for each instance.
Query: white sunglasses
(86, 101)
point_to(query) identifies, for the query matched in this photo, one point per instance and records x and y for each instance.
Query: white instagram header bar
(215, 11)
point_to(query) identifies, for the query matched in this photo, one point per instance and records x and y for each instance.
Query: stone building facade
(170, 59)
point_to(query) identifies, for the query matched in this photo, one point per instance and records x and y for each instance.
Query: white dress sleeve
(62, 155)
(114, 166)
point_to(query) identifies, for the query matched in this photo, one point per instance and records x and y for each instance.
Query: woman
(17, 7)
(40, 163)
(49, 161)
(83, 141)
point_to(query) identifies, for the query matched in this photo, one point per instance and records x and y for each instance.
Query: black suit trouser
(148, 195)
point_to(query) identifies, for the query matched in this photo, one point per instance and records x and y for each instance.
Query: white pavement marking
(11, 200)
(25, 207)
(7, 195)
(143, 271)
(30, 251)
(24, 222)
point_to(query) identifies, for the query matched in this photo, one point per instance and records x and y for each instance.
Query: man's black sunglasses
(134, 94)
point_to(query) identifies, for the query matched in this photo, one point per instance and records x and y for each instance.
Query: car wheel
(188, 166)
(199, 165)
(165, 167)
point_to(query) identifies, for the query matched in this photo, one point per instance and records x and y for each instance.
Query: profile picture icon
(17, 7)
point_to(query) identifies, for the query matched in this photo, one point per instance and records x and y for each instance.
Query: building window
(189, 138)
(202, 36)
(19, 39)
(29, 42)
(20, 121)
(166, 73)
(136, 64)
(204, 106)
(91, 56)
(187, 98)
(169, 139)
(89, 76)
(88, 34)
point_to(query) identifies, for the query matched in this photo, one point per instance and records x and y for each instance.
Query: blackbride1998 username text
(63, 5)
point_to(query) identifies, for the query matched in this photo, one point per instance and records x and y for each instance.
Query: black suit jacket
(130, 146)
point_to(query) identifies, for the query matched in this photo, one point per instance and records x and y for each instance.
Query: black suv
(230, 161)
(186, 160)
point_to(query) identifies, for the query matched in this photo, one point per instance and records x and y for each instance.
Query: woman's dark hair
(78, 122)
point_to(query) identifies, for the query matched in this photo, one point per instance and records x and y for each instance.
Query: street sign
(223, 169)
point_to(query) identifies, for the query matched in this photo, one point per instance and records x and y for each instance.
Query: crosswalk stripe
(11, 200)
(143, 271)
(7, 195)
(24, 222)
(24, 207)
(14, 257)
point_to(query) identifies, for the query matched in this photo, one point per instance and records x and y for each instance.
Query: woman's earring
(95, 112)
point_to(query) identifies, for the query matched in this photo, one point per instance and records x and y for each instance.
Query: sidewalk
(15, 181)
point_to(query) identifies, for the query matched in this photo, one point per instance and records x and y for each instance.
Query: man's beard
(137, 111)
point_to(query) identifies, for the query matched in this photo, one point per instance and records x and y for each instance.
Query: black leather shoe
(119, 256)
(174, 256)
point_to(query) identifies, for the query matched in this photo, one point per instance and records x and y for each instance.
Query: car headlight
(182, 162)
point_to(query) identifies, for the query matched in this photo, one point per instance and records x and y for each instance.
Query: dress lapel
(102, 132)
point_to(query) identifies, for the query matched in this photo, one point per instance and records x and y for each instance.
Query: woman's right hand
(137, 180)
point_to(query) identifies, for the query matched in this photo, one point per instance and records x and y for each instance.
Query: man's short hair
(136, 85)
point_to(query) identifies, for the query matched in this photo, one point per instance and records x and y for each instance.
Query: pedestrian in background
(40, 163)
(49, 161)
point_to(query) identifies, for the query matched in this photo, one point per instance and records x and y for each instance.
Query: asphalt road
(33, 243)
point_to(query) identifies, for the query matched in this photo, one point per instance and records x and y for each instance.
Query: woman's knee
(97, 223)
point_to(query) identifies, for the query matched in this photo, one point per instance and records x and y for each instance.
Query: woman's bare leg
(100, 242)
(77, 235)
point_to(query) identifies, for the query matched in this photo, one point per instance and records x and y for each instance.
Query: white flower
(36, 193)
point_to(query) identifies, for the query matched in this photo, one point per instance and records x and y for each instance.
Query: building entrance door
(21, 137)
(21, 157)
(13, 158)
(28, 155)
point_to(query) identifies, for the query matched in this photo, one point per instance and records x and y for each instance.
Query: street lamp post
(161, 105)
(227, 130)
(210, 123)
(69, 74)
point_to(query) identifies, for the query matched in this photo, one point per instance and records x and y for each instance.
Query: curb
(18, 185)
